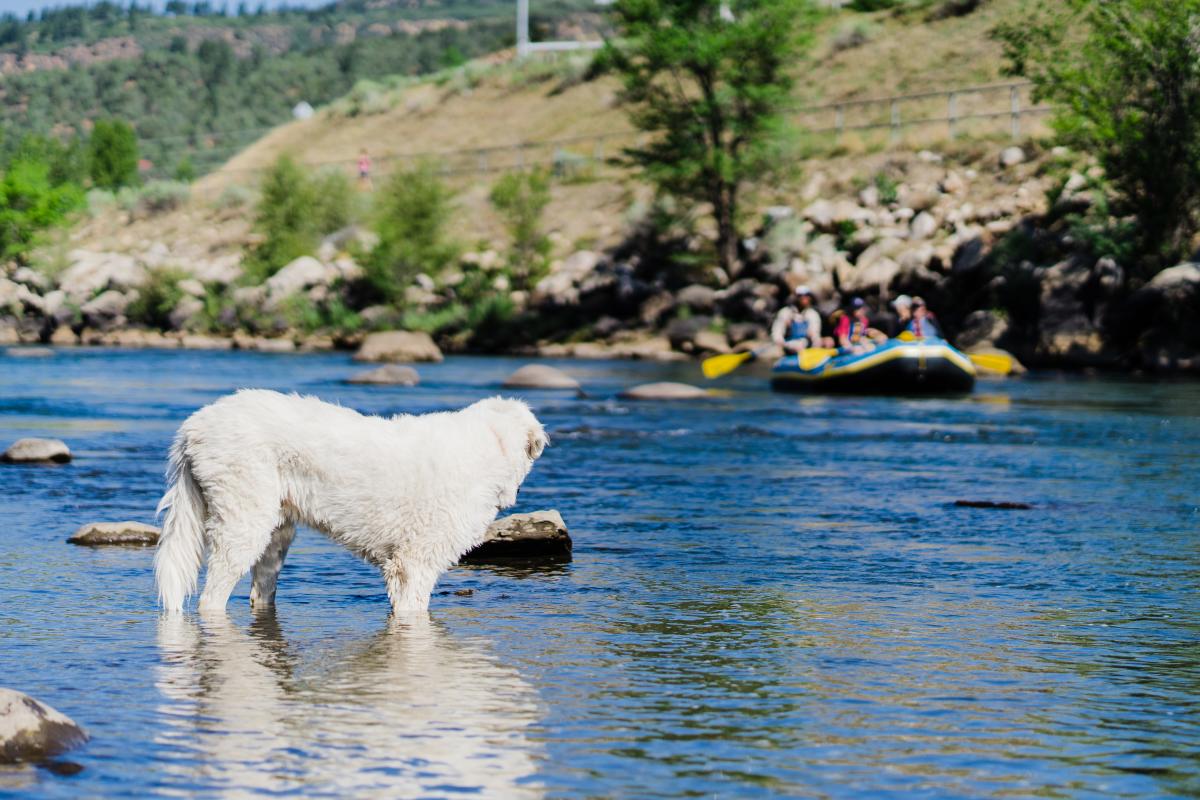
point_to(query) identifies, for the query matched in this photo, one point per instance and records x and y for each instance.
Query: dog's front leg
(409, 583)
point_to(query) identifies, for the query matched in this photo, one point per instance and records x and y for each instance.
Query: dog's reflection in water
(409, 711)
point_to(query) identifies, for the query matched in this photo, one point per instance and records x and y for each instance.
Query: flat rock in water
(33, 731)
(387, 375)
(664, 391)
(37, 451)
(540, 376)
(29, 352)
(397, 346)
(124, 534)
(1007, 505)
(539, 535)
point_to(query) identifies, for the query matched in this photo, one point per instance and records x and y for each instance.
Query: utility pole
(522, 28)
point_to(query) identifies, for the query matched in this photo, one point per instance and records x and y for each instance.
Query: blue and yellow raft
(926, 366)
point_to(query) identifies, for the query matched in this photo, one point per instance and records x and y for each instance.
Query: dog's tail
(181, 546)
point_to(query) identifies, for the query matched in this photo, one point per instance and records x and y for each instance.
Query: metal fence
(923, 118)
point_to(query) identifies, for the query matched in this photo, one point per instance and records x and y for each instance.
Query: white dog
(409, 494)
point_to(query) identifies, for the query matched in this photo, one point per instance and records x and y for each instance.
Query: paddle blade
(907, 336)
(720, 365)
(992, 362)
(815, 356)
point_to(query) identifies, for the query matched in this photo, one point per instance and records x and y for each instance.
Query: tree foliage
(30, 202)
(709, 81)
(413, 210)
(113, 154)
(1125, 77)
(521, 199)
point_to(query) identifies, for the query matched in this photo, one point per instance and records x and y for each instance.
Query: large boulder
(697, 297)
(563, 285)
(1011, 156)
(664, 390)
(540, 535)
(1161, 317)
(398, 346)
(106, 310)
(37, 451)
(982, 328)
(123, 534)
(295, 277)
(540, 376)
(31, 731)
(92, 272)
(387, 375)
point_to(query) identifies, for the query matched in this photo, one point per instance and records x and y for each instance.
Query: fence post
(952, 114)
(520, 158)
(483, 164)
(839, 123)
(1014, 102)
(895, 121)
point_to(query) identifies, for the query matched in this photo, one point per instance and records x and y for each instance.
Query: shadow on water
(408, 711)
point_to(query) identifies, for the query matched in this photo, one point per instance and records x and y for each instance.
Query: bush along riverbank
(1013, 247)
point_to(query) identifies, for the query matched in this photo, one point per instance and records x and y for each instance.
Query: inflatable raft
(928, 366)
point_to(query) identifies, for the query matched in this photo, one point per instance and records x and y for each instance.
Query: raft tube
(929, 366)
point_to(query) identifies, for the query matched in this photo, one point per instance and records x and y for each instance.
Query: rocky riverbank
(997, 240)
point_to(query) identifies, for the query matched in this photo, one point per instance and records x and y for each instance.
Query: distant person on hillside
(797, 326)
(364, 169)
(923, 324)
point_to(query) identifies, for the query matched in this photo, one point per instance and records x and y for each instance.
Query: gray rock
(969, 256)
(91, 272)
(186, 310)
(1011, 156)
(682, 333)
(295, 277)
(124, 534)
(387, 375)
(398, 346)
(924, 225)
(983, 327)
(664, 390)
(31, 731)
(541, 535)
(697, 297)
(37, 451)
(29, 352)
(540, 376)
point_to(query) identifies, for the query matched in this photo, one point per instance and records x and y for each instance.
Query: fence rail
(928, 117)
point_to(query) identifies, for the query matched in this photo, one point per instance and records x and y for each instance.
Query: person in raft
(903, 306)
(923, 325)
(854, 333)
(797, 326)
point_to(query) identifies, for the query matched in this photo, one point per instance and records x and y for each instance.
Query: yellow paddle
(988, 362)
(724, 364)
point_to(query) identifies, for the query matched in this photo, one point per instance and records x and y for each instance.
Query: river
(771, 596)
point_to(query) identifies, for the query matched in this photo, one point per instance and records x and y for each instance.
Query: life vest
(797, 329)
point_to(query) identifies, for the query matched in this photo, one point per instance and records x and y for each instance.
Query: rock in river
(387, 375)
(540, 376)
(37, 451)
(664, 391)
(127, 534)
(33, 731)
(398, 346)
(541, 535)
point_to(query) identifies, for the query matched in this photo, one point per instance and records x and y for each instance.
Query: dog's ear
(537, 442)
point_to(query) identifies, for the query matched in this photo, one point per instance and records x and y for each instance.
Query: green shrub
(157, 298)
(158, 197)
(888, 188)
(232, 197)
(520, 198)
(113, 154)
(294, 211)
(412, 213)
(185, 171)
(30, 203)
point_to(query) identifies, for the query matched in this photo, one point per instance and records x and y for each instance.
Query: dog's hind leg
(266, 570)
(409, 583)
(233, 550)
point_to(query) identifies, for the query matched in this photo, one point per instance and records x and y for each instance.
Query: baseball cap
(903, 301)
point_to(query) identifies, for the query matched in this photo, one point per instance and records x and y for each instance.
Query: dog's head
(519, 436)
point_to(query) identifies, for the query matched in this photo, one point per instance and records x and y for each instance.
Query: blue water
(771, 596)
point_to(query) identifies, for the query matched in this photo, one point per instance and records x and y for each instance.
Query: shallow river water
(771, 596)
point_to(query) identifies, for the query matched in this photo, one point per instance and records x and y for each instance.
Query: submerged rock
(540, 376)
(387, 375)
(33, 731)
(37, 451)
(664, 391)
(29, 352)
(124, 534)
(541, 534)
(398, 346)
(1006, 505)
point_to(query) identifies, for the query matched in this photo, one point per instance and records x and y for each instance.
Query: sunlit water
(770, 596)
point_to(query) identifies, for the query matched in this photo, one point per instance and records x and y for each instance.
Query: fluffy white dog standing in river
(409, 494)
